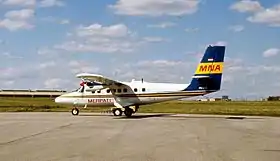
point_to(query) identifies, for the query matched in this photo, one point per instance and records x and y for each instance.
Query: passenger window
(108, 90)
(98, 91)
(114, 90)
(135, 89)
(93, 92)
(125, 90)
(143, 89)
(119, 90)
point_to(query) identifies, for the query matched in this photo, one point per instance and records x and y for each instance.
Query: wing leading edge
(100, 79)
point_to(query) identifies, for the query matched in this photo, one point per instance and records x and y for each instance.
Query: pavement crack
(34, 135)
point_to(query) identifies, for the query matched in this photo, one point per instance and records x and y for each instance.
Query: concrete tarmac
(145, 137)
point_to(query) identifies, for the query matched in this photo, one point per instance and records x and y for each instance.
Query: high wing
(119, 102)
(100, 79)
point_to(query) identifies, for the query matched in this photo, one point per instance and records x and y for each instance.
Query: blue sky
(45, 43)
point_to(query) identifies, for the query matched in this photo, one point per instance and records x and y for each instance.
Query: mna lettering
(210, 68)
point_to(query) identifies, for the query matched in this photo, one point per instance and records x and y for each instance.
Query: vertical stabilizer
(208, 74)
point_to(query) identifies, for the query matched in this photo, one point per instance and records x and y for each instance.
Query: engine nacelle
(94, 88)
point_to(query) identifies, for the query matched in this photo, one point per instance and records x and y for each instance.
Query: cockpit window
(81, 89)
(76, 90)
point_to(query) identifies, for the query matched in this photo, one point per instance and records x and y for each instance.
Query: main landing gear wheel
(117, 112)
(75, 111)
(128, 112)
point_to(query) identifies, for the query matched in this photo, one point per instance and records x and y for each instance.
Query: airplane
(126, 97)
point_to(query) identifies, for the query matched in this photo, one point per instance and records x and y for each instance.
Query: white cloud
(159, 63)
(218, 43)
(155, 7)
(93, 45)
(7, 73)
(14, 25)
(82, 67)
(19, 2)
(47, 65)
(271, 52)
(154, 39)
(51, 3)
(102, 39)
(20, 14)
(221, 43)
(55, 20)
(17, 20)
(192, 29)
(2, 42)
(118, 30)
(237, 28)
(46, 51)
(175, 71)
(54, 83)
(162, 25)
(247, 6)
(270, 16)
(7, 83)
(64, 21)
(11, 56)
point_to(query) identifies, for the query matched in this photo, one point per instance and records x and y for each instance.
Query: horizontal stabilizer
(200, 76)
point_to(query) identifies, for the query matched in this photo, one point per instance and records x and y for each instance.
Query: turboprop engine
(95, 88)
(92, 86)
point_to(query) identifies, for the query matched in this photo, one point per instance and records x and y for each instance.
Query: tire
(75, 111)
(117, 112)
(128, 112)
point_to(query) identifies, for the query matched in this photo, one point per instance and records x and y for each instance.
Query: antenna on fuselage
(142, 80)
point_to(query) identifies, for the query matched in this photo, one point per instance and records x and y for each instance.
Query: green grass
(233, 108)
(189, 107)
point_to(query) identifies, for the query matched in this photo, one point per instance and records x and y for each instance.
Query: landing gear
(128, 112)
(117, 112)
(75, 111)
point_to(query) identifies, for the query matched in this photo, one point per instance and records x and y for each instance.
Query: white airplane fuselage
(136, 92)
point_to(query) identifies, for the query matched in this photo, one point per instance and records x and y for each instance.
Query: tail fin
(208, 75)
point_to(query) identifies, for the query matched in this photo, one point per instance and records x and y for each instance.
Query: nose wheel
(75, 111)
(117, 112)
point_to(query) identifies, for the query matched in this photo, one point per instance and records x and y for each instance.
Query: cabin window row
(120, 90)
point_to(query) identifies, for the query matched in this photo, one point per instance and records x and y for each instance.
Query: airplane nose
(57, 100)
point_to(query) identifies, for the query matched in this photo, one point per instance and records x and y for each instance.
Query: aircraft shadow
(144, 116)
(95, 115)
(139, 116)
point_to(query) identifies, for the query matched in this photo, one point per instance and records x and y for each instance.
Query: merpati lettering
(100, 100)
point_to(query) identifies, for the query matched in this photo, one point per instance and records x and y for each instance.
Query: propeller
(82, 84)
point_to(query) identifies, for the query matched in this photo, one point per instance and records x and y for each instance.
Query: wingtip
(81, 75)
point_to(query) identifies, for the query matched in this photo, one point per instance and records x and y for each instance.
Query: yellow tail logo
(209, 68)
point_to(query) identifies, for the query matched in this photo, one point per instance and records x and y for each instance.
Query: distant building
(273, 98)
(31, 93)
(223, 98)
